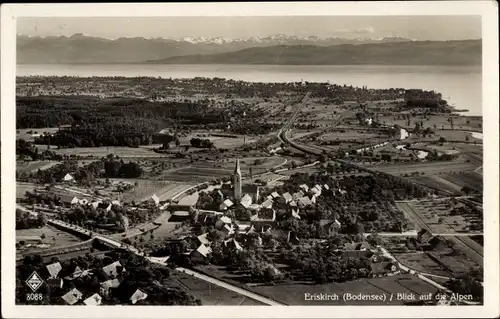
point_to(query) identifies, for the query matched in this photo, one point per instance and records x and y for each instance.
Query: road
(223, 284)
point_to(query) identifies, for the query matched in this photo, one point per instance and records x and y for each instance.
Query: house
(137, 296)
(155, 199)
(222, 221)
(313, 198)
(201, 253)
(288, 198)
(232, 244)
(226, 204)
(116, 202)
(68, 178)
(228, 229)
(95, 204)
(55, 283)
(265, 214)
(33, 240)
(112, 269)
(326, 187)
(329, 227)
(341, 191)
(304, 201)
(383, 268)
(73, 296)
(106, 285)
(269, 197)
(93, 300)
(424, 236)
(304, 187)
(316, 190)
(357, 246)
(295, 213)
(246, 201)
(275, 195)
(54, 269)
(204, 239)
(75, 201)
(297, 195)
(158, 260)
(293, 204)
(267, 204)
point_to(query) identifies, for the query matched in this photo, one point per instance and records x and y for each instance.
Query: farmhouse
(54, 269)
(357, 246)
(28, 239)
(295, 213)
(329, 227)
(113, 269)
(93, 300)
(200, 255)
(267, 204)
(246, 201)
(72, 297)
(106, 285)
(137, 296)
(226, 204)
(288, 198)
(68, 178)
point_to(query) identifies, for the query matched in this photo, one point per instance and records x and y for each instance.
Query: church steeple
(237, 181)
(237, 169)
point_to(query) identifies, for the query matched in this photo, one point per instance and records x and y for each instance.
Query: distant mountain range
(405, 53)
(277, 49)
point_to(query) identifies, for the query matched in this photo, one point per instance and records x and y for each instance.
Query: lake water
(461, 86)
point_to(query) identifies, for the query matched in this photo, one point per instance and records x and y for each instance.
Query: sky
(415, 27)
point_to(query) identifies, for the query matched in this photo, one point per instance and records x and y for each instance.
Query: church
(236, 191)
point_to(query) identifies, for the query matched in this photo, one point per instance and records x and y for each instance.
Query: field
(420, 261)
(219, 141)
(123, 152)
(212, 295)
(293, 293)
(436, 215)
(53, 237)
(428, 168)
(33, 166)
(146, 188)
(460, 122)
(24, 135)
(22, 188)
(205, 171)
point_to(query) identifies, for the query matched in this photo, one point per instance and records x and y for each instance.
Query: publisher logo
(34, 281)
